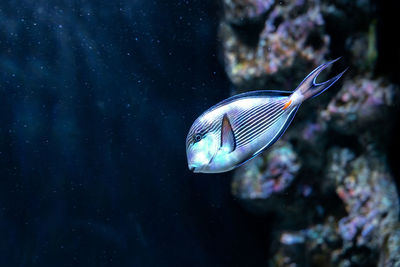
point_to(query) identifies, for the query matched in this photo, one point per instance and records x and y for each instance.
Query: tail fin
(309, 88)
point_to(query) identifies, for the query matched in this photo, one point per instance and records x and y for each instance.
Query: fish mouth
(197, 169)
(193, 168)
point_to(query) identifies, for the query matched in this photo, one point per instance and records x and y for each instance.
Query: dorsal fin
(228, 141)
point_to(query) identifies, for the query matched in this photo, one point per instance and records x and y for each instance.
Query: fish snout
(192, 168)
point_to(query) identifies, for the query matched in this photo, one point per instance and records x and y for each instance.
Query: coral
(262, 185)
(292, 32)
(369, 195)
(320, 242)
(368, 192)
(361, 102)
(240, 11)
(263, 177)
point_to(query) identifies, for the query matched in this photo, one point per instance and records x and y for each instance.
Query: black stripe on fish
(258, 125)
(255, 134)
(257, 117)
(261, 129)
(243, 121)
(241, 117)
(247, 113)
(281, 131)
(215, 125)
(262, 126)
(204, 126)
(266, 118)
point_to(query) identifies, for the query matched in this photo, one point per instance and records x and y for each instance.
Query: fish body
(240, 127)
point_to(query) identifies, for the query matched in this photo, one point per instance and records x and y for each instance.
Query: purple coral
(360, 103)
(268, 175)
(367, 189)
(240, 11)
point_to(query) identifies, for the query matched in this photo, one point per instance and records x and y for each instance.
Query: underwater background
(96, 98)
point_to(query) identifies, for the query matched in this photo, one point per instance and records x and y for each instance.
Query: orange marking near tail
(287, 104)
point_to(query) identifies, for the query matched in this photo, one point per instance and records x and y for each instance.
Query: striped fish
(240, 127)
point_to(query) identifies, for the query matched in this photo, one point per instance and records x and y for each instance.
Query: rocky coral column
(368, 191)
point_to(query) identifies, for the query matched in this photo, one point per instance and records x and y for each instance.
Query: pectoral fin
(228, 141)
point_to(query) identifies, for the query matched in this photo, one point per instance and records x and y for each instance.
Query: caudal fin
(309, 88)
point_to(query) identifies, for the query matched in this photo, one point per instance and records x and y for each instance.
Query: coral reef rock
(320, 242)
(264, 176)
(369, 195)
(265, 184)
(242, 11)
(291, 37)
(361, 102)
(368, 191)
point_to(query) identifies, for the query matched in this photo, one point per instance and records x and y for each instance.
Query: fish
(239, 128)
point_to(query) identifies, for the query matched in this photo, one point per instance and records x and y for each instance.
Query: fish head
(202, 144)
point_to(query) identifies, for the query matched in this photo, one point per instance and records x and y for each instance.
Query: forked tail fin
(308, 88)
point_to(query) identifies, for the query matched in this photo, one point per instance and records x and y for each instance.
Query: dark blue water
(96, 98)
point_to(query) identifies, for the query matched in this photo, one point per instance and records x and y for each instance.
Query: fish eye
(197, 137)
